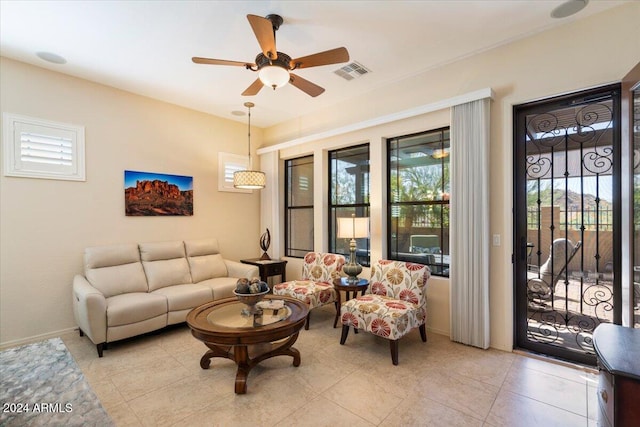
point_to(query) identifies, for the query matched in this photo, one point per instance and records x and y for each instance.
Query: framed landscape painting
(156, 194)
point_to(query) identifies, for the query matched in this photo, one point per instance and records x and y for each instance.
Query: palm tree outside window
(418, 195)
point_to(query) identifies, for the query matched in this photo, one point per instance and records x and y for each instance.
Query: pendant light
(249, 179)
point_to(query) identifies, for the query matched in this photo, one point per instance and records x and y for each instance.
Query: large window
(349, 195)
(418, 185)
(299, 206)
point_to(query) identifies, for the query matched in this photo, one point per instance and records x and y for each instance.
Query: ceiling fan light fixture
(275, 68)
(274, 76)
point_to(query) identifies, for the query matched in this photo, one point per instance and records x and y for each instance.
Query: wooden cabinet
(618, 351)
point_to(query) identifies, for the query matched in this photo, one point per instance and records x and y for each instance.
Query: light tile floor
(156, 380)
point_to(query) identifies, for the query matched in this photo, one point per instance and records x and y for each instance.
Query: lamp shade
(353, 228)
(249, 180)
(274, 76)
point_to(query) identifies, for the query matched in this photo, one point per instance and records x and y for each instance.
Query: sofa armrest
(239, 270)
(90, 309)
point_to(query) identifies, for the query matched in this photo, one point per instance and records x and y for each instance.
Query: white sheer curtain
(469, 223)
(270, 203)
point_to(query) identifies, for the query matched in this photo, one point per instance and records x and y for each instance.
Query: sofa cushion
(201, 247)
(134, 307)
(167, 272)
(164, 264)
(108, 256)
(118, 279)
(205, 260)
(314, 294)
(181, 297)
(156, 251)
(207, 267)
(222, 287)
(115, 269)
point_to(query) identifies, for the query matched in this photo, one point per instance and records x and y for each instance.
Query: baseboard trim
(439, 332)
(35, 338)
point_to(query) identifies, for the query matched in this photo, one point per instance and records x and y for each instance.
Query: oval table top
(226, 330)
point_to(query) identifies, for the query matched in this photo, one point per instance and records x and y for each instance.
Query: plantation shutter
(228, 164)
(38, 149)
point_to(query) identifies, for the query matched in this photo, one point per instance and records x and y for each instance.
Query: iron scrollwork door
(567, 216)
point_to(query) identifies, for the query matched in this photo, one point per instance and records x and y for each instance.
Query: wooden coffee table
(247, 340)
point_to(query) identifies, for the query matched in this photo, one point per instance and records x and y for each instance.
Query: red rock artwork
(151, 194)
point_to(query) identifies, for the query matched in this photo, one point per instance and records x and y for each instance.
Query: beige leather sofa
(132, 289)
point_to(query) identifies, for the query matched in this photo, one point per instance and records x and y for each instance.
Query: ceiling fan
(273, 67)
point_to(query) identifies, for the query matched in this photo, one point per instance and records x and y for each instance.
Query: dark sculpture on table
(265, 242)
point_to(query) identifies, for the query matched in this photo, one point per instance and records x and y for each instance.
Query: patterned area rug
(41, 385)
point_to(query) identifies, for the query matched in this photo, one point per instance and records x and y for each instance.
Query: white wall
(594, 51)
(45, 224)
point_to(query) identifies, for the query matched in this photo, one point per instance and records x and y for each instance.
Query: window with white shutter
(35, 148)
(228, 164)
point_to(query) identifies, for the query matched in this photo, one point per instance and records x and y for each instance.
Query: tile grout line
(495, 399)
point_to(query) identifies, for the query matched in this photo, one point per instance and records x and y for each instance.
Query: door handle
(523, 248)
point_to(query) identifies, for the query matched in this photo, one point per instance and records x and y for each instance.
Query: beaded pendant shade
(249, 179)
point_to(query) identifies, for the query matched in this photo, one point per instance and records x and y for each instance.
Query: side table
(350, 290)
(268, 267)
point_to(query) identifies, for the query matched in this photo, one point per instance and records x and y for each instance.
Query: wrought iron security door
(567, 215)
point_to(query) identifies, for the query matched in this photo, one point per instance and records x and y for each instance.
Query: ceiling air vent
(352, 70)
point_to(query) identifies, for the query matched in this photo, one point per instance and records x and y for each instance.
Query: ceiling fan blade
(263, 29)
(333, 56)
(306, 86)
(212, 61)
(253, 89)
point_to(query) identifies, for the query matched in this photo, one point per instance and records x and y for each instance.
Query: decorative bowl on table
(250, 292)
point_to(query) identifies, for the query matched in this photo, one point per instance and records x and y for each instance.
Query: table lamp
(353, 228)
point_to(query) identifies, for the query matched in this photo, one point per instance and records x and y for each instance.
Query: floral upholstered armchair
(394, 304)
(316, 286)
